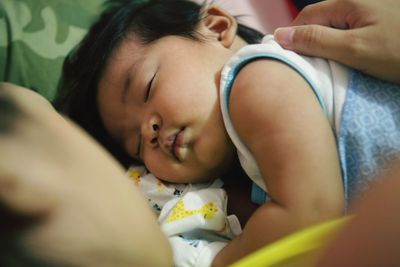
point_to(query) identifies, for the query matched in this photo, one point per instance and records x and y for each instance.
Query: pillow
(35, 37)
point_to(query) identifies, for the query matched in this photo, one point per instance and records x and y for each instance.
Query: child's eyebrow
(128, 81)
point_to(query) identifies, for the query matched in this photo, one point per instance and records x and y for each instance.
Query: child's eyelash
(148, 90)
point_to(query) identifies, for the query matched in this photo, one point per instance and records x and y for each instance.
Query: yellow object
(299, 249)
(135, 175)
(180, 212)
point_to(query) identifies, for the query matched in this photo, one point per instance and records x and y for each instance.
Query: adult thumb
(314, 40)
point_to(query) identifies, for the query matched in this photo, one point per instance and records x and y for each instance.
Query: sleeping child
(190, 93)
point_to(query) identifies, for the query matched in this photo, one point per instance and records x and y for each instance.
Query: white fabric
(187, 255)
(193, 216)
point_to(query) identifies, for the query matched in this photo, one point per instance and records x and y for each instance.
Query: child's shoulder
(263, 92)
(263, 77)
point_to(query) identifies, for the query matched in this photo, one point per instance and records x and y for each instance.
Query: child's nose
(150, 130)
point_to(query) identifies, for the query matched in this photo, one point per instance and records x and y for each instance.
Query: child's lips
(176, 145)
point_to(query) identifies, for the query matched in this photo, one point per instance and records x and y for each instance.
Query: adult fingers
(327, 13)
(317, 40)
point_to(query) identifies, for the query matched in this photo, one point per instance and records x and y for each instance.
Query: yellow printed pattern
(135, 176)
(180, 212)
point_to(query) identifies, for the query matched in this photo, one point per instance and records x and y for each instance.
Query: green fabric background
(36, 35)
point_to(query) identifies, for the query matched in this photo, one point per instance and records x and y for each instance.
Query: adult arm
(63, 198)
(363, 34)
(372, 236)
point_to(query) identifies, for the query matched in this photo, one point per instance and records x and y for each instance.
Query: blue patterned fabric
(369, 137)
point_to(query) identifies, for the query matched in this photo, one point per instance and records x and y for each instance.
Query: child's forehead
(131, 44)
(128, 60)
(126, 54)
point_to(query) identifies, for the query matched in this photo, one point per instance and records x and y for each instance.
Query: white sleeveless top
(327, 79)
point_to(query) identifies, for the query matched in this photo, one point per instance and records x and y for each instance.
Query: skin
(180, 67)
(86, 208)
(359, 33)
(369, 42)
(372, 237)
(301, 169)
(40, 193)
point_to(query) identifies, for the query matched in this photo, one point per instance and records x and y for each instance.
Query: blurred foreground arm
(63, 199)
(372, 237)
(363, 34)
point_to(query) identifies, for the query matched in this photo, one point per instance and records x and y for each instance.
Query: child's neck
(238, 43)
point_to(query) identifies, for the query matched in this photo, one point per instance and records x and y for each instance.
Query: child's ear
(221, 23)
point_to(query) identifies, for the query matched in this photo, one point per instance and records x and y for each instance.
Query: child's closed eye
(149, 87)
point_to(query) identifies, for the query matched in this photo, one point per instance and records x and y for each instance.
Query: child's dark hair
(149, 20)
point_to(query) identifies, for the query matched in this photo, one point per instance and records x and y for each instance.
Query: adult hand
(363, 34)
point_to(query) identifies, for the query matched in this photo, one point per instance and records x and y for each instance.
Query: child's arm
(279, 118)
